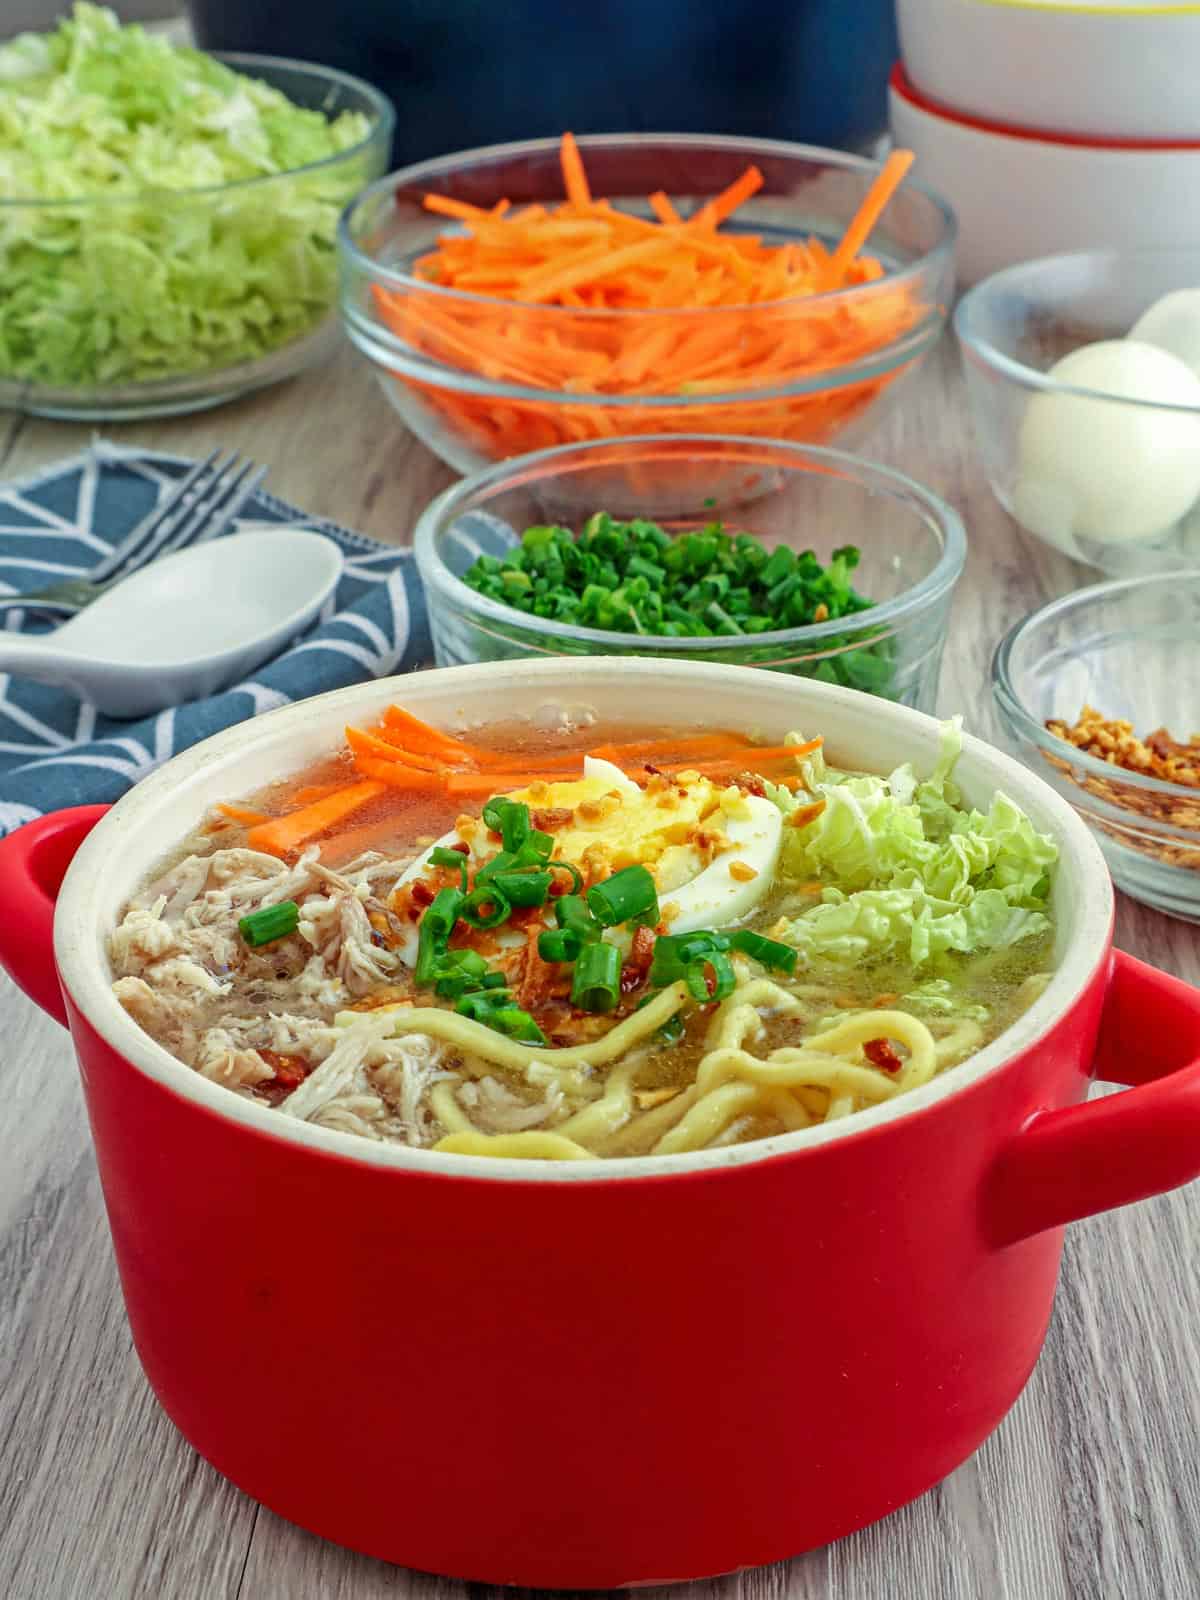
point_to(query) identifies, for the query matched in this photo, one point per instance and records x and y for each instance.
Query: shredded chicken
(496, 1109)
(255, 1020)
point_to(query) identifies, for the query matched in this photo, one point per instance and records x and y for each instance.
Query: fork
(201, 506)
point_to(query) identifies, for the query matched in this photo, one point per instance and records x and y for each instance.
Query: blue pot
(473, 72)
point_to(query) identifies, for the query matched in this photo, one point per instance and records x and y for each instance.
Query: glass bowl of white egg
(1083, 373)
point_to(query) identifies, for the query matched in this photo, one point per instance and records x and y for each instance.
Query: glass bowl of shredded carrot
(697, 547)
(530, 295)
(1095, 693)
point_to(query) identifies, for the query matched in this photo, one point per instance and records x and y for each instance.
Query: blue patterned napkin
(56, 751)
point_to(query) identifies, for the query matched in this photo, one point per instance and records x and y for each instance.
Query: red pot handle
(1078, 1160)
(33, 863)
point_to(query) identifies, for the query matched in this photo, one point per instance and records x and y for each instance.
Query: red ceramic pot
(589, 1374)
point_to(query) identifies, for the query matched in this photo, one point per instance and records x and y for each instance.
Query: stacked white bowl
(1053, 125)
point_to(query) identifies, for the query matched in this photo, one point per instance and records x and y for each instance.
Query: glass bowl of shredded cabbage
(167, 218)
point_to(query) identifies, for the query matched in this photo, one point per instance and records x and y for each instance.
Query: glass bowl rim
(1012, 706)
(1008, 278)
(944, 574)
(383, 122)
(843, 160)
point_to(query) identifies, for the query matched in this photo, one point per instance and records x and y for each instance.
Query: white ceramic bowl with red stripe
(598, 1373)
(1103, 69)
(1019, 195)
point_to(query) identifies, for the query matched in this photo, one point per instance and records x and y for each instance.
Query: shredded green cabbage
(909, 873)
(138, 280)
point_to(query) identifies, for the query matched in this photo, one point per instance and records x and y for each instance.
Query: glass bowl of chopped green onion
(167, 220)
(697, 547)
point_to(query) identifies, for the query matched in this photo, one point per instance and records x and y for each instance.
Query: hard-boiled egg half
(712, 851)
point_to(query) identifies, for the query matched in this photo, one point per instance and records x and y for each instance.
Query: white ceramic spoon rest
(187, 625)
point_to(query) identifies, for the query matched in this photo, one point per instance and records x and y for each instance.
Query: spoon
(187, 625)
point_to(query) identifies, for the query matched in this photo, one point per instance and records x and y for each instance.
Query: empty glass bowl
(1127, 649)
(479, 378)
(912, 552)
(1063, 470)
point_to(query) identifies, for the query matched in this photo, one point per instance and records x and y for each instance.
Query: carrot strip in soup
(241, 814)
(314, 791)
(422, 739)
(395, 775)
(282, 835)
(365, 743)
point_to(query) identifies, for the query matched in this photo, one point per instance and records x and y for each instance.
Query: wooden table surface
(1089, 1490)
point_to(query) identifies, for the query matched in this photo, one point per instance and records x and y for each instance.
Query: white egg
(1173, 324)
(715, 897)
(1095, 469)
(597, 767)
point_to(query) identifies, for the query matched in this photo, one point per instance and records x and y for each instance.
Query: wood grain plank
(332, 442)
(98, 1493)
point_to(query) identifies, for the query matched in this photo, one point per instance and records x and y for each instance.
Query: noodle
(472, 1038)
(797, 1086)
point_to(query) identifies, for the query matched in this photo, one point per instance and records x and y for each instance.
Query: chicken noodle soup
(555, 939)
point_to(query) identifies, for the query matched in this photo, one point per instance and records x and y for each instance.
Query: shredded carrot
(780, 323)
(574, 177)
(663, 208)
(281, 835)
(725, 204)
(241, 814)
(895, 169)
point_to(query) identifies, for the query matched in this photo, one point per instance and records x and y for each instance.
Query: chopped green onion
(635, 577)
(675, 952)
(530, 888)
(502, 861)
(485, 907)
(494, 980)
(443, 913)
(596, 985)
(480, 1005)
(568, 866)
(536, 850)
(559, 944)
(723, 979)
(769, 952)
(445, 857)
(460, 971)
(517, 1024)
(270, 923)
(510, 819)
(571, 911)
(433, 934)
(628, 894)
